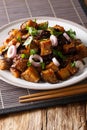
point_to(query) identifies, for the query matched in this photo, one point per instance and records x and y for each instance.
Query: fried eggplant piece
(15, 72)
(20, 64)
(49, 76)
(5, 64)
(63, 74)
(45, 47)
(29, 23)
(52, 66)
(58, 27)
(82, 50)
(31, 74)
(15, 33)
(69, 48)
(72, 69)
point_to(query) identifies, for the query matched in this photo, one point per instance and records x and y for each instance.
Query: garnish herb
(32, 31)
(28, 63)
(73, 64)
(59, 54)
(33, 51)
(43, 26)
(19, 39)
(28, 41)
(24, 56)
(42, 65)
(54, 32)
(71, 33)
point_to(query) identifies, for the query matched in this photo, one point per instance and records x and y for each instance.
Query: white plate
(81, 33)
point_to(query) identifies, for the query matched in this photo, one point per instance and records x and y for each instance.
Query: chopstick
(57, 93)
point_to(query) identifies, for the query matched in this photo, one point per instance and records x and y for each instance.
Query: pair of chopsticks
(57, 93)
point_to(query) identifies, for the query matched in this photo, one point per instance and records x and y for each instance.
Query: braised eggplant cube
(52, 66)
(45, 47)
(31, 74)
(49, 76)
(15, 72)
(63, 74)
(5, 64)
(72, 69)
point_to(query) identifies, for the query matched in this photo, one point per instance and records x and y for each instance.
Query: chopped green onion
(59, 54)
(54, 32)
(24, 56)
(28, 63)
(28, 41)
(71, 33)
(43, 26)
(42, 65)
(33, 51)
(32, 31)
(73, 64)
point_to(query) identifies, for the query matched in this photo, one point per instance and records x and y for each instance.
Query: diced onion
(66, 36)
(55, 61)
(32, 59)
(54, 40)
(79, 64)
(11, 51)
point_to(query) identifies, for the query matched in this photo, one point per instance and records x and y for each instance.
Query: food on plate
(37, 52)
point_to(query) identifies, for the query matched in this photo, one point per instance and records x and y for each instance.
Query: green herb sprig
(59, 54)
(71, 33)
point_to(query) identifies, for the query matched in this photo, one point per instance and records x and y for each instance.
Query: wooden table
(67, 117)
(63, 117)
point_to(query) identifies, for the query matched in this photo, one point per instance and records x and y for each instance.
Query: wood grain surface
(67, 117)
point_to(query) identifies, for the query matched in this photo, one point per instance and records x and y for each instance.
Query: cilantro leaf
(54, 32)
(71, 33)
(28, 63)
(32, 31)
(43, 26)
(73, 64)
(42, 65)
(59, 54)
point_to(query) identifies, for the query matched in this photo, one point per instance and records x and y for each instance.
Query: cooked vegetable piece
(72, 34)
(43, 26)
(31, 74)
(28, 23)
(63, 73)
(49, 76)
(20, 64)
(69, 48)
(32, 31)
(82, 50)
(15, 33)
(45, 46)
(58, 27)
(52, 66)
(15, 72)
(5, 64)
(72, 68)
